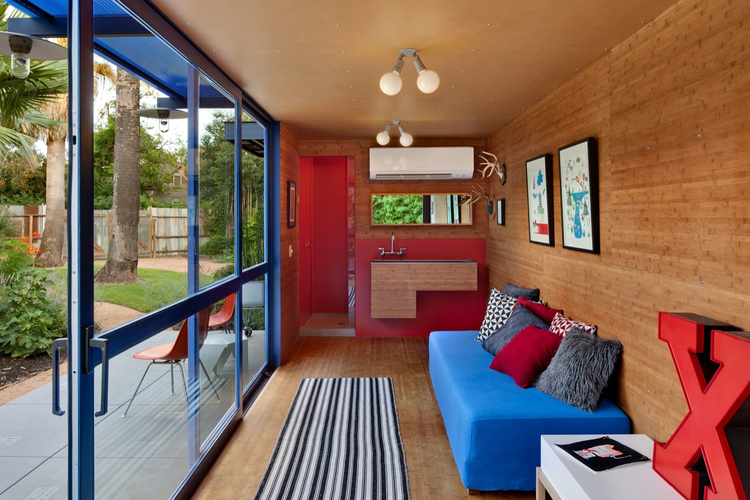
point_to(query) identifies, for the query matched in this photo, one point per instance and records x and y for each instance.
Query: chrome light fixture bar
(384, 137)
(428, 81)
(23, 48)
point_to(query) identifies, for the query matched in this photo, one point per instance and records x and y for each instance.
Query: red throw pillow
(540, 310)
(527, 355)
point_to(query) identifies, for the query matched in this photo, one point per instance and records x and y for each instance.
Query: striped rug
(340, 440)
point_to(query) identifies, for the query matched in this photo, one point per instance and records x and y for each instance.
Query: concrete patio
(144, 455)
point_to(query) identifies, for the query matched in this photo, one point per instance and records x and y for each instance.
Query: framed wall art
(539, 198)
(501, 211)
(579, 196)
(291, 203)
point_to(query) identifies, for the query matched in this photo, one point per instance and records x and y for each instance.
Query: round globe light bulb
(406, 140)
(428, 81)
(383, 138)
(19, 65)
(390, 83)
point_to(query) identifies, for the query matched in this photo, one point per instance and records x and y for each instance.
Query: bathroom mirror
(420, 209)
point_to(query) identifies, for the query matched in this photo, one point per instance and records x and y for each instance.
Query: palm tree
(51, 248)
(122, 256)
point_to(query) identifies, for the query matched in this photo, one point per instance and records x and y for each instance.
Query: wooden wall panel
(289, 239)
(670, 108)
(360, 150)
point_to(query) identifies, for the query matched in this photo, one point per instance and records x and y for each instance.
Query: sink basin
(422, 261)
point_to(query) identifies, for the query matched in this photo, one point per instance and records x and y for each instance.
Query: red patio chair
(222, 318)
(174, 354)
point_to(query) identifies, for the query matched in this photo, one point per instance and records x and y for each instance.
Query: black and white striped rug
(340, 440)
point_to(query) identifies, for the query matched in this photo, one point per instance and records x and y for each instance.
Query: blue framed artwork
(539, 199)
(579, 196)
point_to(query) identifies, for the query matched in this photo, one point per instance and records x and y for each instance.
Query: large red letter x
(711, 406)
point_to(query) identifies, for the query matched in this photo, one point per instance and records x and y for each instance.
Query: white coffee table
(564, 478)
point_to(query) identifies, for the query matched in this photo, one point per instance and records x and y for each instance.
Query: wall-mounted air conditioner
(421, 163)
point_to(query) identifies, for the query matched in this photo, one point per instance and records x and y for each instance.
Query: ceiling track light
(163, 115)
(428, 81)
(23, 48)
(405, 138)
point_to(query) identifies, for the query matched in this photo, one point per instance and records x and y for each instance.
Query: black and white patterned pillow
(499, 308)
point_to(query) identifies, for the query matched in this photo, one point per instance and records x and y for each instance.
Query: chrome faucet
(401, 251)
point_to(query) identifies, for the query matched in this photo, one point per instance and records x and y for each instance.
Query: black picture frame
(501, 211)
(579, 195)
(539, 200)
(291, 203)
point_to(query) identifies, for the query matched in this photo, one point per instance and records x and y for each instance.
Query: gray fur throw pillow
(531, 294)
(519, 319)
(580, 370)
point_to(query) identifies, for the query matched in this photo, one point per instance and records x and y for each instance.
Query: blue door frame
(83, 358)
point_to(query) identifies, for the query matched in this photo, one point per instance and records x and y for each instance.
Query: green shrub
(31, 318)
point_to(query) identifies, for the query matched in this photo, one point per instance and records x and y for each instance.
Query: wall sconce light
(163, 115)
(428, 81)
(23, 48)
(384, 137)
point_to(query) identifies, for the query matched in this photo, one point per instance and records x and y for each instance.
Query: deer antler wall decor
(478, 193)
(493, 166)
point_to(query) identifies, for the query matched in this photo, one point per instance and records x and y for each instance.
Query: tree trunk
(122, 256)
(53, 237)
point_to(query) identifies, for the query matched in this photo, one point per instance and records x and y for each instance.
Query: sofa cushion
(499, 308)
(527, 355)
(580, 370)
(519, 319)
(560, 325)
(526, 293)
(494, 426)
(541, 310)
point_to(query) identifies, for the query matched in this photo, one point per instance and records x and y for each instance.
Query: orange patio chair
(222, 318)
(174, 354)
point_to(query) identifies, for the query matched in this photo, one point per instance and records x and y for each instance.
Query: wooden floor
(432, 471)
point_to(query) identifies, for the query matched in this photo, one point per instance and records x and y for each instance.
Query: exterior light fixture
(163, 115)
(23, 48)
(384, 137)
(428, 81)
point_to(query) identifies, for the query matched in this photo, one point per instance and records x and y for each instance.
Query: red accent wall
(303, 223)
(329, 214)
(435, 310)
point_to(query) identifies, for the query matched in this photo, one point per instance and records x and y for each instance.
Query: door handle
(103, 403)
(56, 346)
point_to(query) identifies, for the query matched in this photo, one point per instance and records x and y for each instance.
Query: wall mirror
(420, 209)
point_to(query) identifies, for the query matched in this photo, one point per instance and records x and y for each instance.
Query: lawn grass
(156, 289)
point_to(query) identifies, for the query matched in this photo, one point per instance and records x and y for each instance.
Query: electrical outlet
(290, 250)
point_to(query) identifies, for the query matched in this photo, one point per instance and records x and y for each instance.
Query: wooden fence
(161, 231)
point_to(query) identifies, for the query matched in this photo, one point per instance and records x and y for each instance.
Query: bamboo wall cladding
(360, 150)
(670, 109)
(395, 285)
(289, 238)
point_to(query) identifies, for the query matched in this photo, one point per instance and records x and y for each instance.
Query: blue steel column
(238, 264)
(273, 242)
(80, 248)
(193, 168)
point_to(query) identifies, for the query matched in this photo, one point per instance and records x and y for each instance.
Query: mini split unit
(421, 163)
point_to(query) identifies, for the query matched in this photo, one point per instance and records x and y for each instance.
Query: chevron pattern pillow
(499, 308)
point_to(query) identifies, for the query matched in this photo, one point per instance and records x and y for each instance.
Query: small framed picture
(579, 196)
(291, 204)
(539, 199)
(501, 211)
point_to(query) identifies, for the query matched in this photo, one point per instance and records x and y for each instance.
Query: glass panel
(254, 328)
(217, 366)
(216, 177)
(253, 192)
(140, 221)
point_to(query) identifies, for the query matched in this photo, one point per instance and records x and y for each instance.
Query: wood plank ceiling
(316, 65)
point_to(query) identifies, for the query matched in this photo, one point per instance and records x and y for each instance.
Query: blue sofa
(493, 425)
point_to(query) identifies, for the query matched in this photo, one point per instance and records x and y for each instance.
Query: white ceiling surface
(315, 65)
